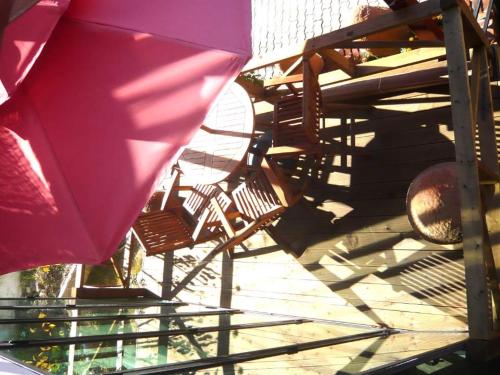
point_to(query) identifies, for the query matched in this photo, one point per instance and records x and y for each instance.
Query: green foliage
(48, 278)
(253, 77)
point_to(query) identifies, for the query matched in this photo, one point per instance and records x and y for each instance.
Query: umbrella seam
(198, 45)
(63, 175)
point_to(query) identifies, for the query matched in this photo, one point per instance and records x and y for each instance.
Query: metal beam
(139, 335)
(411, 362)
(92, 306)
(115, 317)
(200, 364)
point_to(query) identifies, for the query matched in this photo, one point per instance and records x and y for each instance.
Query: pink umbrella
(119, 87)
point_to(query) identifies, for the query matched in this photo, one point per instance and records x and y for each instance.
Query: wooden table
(222, 142)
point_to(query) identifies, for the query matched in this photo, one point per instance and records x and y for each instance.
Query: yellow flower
(46, 326)
(45, 269)
(42, 315)
(42, 365)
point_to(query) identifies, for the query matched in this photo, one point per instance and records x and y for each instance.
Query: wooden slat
(475, 249)
(386, 21)
(338, 60)
(392, 44)
(397, 80)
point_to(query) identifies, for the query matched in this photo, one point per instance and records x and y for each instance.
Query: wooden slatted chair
(259, 201)
(175, 226)
(297, 118)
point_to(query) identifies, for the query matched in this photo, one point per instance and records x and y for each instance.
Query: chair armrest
(222, 217)
(172, 181)
(201, 224)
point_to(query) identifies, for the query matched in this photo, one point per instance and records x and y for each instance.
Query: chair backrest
(255, 197)
(264, 193)
(198, 199)
(297, 117)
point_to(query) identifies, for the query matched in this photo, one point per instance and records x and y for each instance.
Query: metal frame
(220, 359)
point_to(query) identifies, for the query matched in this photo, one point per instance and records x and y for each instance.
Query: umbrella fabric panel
(23, 40)
(220, 24)
(116, 106)
(38, 219)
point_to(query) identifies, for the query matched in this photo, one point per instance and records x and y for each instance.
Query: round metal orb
(433, 204)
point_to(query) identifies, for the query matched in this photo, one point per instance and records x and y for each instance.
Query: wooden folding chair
(259, 201)
(297, 119)
(175, 226)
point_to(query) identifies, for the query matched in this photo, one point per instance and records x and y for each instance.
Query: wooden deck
(346, 253)
(350, 254)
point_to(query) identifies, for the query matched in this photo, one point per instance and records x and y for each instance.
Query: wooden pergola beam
(334, 39)
(391, 44)
(346, 35)
(389, 63)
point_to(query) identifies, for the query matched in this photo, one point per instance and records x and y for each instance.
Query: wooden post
(485, 118)
(479, 298)
(226, 290)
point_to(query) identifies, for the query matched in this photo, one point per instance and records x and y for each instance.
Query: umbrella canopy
(119, 87)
